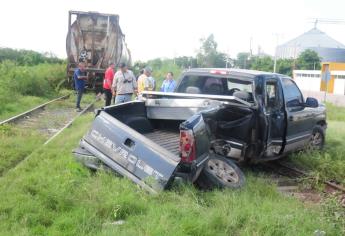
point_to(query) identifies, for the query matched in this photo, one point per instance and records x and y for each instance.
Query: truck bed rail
(232, 99)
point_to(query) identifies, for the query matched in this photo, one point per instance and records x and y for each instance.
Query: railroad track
(292, 172)
(31, 111)
(48, 120)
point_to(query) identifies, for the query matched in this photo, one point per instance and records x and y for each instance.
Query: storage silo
(328, 49)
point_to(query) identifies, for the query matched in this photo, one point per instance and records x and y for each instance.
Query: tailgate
(130, 153)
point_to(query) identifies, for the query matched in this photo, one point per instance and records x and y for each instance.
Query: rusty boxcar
(96, 39)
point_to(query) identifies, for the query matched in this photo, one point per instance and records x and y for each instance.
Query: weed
(52, 194)
(328, 164)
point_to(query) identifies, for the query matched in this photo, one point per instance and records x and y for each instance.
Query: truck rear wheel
(220, 172)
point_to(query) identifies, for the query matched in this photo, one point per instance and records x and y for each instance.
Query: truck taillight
(187, 146)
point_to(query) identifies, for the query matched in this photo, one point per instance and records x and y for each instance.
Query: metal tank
(327, 48)
(96, 39)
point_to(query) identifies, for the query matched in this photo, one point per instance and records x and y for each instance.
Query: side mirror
(311, 102)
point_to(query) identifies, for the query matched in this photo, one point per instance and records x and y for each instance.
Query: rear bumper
(114, 166)
(89, 160)
(191, 172)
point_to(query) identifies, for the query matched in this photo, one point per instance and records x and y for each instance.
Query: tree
(208, 55)
(284, 66)
(28, 57)
(156, 64)
(262, 63)
(243, 60)
(308, 60)
(186, 62)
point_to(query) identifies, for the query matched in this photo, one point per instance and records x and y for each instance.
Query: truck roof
(92, 13)
(230, 71)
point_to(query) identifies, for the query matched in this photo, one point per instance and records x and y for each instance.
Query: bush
(33, 82)
(27, 57)
(159, 73)
(160, 69)
(39, 80)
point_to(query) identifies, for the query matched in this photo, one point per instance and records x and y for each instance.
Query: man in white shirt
(124, 84)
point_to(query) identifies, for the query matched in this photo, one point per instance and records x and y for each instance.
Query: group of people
(120, 86)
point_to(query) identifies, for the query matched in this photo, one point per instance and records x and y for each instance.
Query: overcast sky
(171, 27)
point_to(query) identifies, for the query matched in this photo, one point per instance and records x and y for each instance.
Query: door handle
(129, 143)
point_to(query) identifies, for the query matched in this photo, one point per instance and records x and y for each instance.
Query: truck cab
(278, 119)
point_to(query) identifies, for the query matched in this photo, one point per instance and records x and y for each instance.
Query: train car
(95, 39)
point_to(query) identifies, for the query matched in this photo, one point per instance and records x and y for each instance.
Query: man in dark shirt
(79, 78)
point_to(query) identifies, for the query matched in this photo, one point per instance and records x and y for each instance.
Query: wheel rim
(223, 171)
(316, 139)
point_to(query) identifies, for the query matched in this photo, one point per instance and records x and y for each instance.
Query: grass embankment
(24, 87)
(17, 142)
(15, 145)
(330, 163)
(21, 104)
(52, 194)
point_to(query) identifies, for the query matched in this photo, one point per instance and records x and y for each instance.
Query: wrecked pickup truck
(216, 117)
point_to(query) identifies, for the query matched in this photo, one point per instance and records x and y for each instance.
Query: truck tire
(317, 140)
(220, 172)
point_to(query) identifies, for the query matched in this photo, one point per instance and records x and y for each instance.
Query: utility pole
(275, 54)
(227, 61)
(294, 57)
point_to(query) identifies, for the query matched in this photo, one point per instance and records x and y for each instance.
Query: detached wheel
(317, 140)
(220, 172)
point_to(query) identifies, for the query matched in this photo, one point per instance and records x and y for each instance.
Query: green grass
(24, 87)
(19, 105)
(330, 163)
(335, 112)
(15, 145)
(24, 103)
(16, 142)
(51, 194)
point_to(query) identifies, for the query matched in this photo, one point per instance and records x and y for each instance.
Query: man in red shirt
(107, 82)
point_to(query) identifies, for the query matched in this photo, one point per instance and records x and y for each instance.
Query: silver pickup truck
(216, 117)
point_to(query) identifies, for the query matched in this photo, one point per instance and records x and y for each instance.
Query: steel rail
(52, 137)
(302, 173)
(19, 116)
(70, 123)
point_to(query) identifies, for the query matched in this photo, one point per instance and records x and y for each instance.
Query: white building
(310, 80)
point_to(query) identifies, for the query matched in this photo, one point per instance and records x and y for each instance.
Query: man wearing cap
(149, 82)
(141, 80)
(145, 81)
(79, 78)
(124, 84)
(107, 83)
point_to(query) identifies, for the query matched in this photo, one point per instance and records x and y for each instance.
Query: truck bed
(166, 139)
